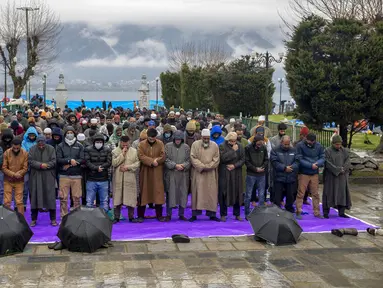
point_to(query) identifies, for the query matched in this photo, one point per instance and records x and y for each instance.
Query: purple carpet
(151, 229)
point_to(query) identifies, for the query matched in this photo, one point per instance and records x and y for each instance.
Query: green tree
(171, 88)
(241, 87)
(334, 70)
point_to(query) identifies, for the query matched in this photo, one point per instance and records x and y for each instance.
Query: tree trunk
(379, 149)
(17, 89)
(343, 133)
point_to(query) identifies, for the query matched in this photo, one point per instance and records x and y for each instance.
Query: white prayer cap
(261, 118)
(205, 133)
(47, 131)
(81, 137)
(232, 120)
(84, 122)
(153, 116)
(174, 128)
(178, 113)
(93, 121)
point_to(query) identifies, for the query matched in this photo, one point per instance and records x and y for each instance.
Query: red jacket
(18, 131)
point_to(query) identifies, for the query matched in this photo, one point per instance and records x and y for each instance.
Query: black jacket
(65, 153)
(96, 158)
(280, 159)
(256, 158)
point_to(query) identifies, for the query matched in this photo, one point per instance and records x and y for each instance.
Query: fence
(323, 136)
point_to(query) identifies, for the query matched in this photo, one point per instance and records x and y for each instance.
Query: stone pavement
(318, 260)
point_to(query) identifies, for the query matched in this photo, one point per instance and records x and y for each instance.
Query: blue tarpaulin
(124, 104)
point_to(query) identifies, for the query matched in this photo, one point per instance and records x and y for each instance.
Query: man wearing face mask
(336, 192)
(70, 157)
(29, 140)
(284, 160)
(42, 183)
(257, 161)
(311, 157)
(177, 167)
(167, 135)
(190, 133)
(15, 166)
(98, 160)
(232, 158)
(151, 153)
(204, 156)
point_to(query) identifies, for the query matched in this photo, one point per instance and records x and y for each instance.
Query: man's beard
(206, 145)
(16, 153)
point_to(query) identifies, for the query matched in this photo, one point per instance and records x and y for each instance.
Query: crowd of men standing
(150, 158)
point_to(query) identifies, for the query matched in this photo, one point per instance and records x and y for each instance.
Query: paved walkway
(318, 260)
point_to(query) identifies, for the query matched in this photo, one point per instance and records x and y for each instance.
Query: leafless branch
(365, 10)
(44, 32)
(197, 54)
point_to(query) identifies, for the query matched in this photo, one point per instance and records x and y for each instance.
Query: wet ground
(318, 260)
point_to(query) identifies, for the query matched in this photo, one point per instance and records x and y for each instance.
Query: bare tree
(44, 29)
(197, 54)
(368, 11)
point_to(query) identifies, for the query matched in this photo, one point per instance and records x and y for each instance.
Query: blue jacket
(280, 159)
(28, 144)
(220, 139)
(308, 156)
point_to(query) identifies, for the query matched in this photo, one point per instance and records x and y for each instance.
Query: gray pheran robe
(177, 182)
(42, 182)
(336, 189)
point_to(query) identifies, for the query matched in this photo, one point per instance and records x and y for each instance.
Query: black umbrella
(14, 231)
(85, 229)
(275, 225)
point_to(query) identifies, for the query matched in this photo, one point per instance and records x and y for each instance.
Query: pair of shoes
(344, 216)
(180, 238)
(115, 221)
(326, 216)
(238, 218)
(54, 223)
(161, 219)
(58, 246)
(371, 231)
(33, 223)
(319, 216)
(168, 218)
(52, 246)
(193, 218)
(344, 231)
(107, 245)
(183, 218)
(140, 220)
(214, 218)
(298, 216)
(223, 218)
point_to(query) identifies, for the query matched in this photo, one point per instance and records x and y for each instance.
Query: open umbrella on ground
(14, 232)
(275, 225)
(85, 229)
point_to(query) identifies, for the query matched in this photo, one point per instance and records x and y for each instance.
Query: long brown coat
(152, 178)
(204, 184)
(124, 183)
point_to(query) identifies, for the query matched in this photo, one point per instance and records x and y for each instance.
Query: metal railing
(293, 130)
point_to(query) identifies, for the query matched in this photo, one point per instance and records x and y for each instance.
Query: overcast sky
(208, 14)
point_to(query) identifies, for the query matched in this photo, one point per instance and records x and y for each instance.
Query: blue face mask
(167, 135)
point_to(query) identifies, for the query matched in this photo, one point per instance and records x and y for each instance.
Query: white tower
(61, 93)
(144, 93)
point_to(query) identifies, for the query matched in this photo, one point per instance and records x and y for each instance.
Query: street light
(157, 79)
(45, 88)
(268, 59)
(5, 79)
(280, 80)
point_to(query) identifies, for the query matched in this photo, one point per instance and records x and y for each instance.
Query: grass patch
(278, 118)
(358, 142)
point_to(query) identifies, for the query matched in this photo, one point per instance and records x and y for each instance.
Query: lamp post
(157, 79)
(268, 59)
(45, 88)
(280, 80)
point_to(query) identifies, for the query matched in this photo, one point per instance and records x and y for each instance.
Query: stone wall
(364, 164)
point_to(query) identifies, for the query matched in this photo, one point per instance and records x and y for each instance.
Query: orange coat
(13, 164)
(151, 178)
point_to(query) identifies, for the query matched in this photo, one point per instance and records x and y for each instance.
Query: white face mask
(188, 118)
(69, 136)
(98, 145)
